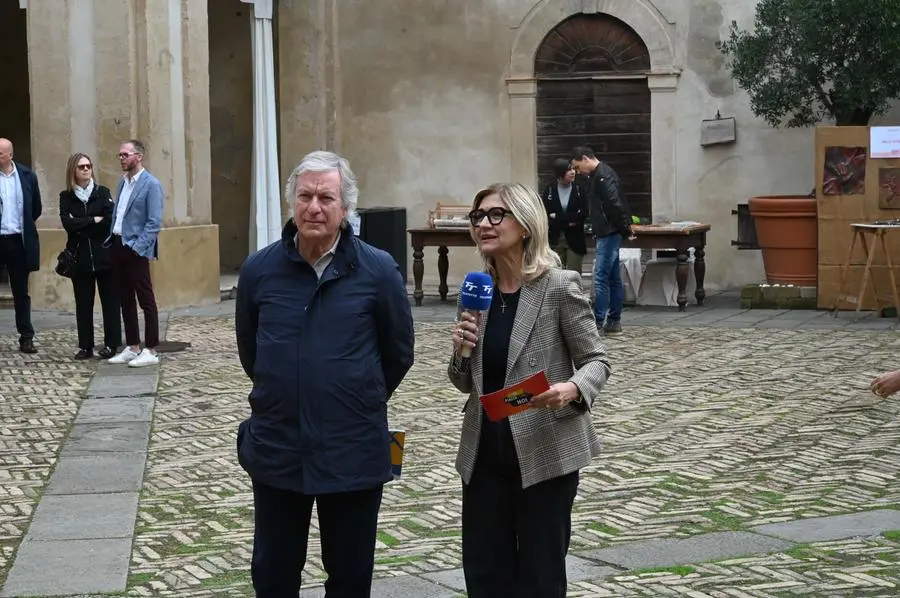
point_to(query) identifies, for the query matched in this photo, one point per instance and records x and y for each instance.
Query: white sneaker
(144, 358)
(124, 357)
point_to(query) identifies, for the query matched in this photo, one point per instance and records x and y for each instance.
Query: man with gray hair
(325, 333)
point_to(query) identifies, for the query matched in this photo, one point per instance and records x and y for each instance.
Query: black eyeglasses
(495, 216)
(84, 166)
(123, 155)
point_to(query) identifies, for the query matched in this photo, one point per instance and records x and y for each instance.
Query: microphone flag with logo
(475, 296)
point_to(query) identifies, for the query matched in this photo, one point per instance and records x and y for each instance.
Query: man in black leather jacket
(610, 221)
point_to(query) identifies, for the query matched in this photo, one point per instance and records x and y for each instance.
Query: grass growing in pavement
(774, 498)
(681, 570)
(398, 560)
(723, 521)
(227, 578)
(387, 539)
(602, 527)
(892, 535)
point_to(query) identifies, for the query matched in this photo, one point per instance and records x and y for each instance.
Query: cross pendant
(502, 309)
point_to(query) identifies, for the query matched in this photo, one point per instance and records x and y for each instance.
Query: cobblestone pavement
(704, 430)
(39, 396)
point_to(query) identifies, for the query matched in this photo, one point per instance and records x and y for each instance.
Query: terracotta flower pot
(788, 233)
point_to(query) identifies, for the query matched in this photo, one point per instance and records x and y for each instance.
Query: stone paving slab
(39, 397)
(68, 567)
(396, 587)
(100, 473)
(577, 569)
(121, 385)
(115, 410)
(696, 549)
(84, 517)
(117, 437)
(820, 529)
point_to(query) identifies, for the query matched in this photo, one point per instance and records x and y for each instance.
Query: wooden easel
(859, 232)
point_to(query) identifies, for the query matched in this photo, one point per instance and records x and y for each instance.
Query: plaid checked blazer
(554, 331)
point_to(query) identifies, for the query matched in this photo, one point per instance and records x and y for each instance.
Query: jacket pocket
(567, 412)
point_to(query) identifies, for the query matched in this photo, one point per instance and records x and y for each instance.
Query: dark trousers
(12, 255)
(347, 525)
(132, 274)
(515, 540)
(83, 285)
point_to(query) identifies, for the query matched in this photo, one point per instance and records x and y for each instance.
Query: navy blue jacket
(324, 357)
(31, 211)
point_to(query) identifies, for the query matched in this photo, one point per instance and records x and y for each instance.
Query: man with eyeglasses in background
(137, 218)
(20, 207)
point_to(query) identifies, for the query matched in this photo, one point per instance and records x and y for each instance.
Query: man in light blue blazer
(137, 218)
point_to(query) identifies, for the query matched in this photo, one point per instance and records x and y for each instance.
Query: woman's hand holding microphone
(465, 335)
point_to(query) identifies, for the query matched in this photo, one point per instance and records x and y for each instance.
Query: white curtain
(265, 208)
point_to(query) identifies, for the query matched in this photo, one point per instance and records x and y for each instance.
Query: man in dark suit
(20, 207)
(137, 218)
(610, 223)
(567, 210)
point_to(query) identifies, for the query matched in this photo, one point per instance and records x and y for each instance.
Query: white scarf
(84, 193)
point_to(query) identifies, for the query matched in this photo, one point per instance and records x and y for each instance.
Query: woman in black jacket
(86, 211)
(567, 210)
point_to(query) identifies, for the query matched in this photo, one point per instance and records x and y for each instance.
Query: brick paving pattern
(39, 397)
(704, 430)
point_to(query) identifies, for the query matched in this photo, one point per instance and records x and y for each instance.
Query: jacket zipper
(90, 247)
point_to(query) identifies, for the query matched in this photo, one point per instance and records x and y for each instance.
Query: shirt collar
(14, 172)
(331, 251)
(136, 176)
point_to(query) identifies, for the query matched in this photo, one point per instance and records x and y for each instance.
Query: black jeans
(347, 526)
(12, 255)
(515, 540)
(83, 285)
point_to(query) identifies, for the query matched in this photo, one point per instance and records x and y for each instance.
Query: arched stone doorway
(658, 35)
(591, 72)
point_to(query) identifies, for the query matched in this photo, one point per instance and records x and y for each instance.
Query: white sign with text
(884, 142)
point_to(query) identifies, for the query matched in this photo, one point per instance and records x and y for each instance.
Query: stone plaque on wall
(718, 131)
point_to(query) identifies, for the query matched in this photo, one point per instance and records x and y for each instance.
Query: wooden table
(878, 232)
(681, 239)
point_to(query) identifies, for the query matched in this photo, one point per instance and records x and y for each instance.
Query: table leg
(890, 265)
(870, 255)
(443, 265)
(681, 274)
(418, 272)
(700, 272)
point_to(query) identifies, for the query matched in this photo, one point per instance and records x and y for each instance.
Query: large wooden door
(592, 90)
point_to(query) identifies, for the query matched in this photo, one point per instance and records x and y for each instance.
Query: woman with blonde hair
(86, 209)
(520, 475)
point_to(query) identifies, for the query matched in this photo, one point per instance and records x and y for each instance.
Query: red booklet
(514, 399)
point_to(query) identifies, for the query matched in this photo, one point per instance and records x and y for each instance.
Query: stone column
(101, 73)
(523, 140)
(663, 139)
(308, 79)
(172, 59)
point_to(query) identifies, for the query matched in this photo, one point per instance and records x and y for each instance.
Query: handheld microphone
(475, 295)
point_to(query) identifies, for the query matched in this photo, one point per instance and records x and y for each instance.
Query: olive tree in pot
(805, 62)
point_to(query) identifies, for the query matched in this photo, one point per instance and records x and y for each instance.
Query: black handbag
(65, 263)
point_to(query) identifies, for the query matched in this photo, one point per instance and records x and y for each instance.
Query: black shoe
(613, 327)
(84, 354)
(106, 353)
(27, 346)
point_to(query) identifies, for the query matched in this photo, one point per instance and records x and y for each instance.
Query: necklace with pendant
(503, 301)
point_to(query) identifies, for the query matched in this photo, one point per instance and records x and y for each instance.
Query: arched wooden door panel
(592, 90)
